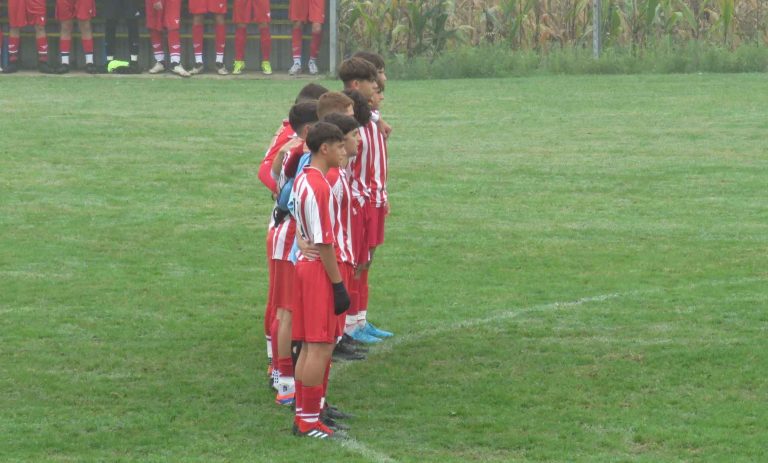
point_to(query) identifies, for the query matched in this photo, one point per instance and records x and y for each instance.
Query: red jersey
(360, 167)
(285, 233)
(315, 208)
(337, 178)
(282, 136)
(377, 161)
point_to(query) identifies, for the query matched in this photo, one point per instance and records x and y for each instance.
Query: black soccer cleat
(332, 412)
(332, 424)
(45, 68)
(62, 69)
(91, 68)
(345, 352)
(11, 68)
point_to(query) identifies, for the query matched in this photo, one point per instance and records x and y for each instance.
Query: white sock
(134, 57)
(64, 59)
(269, 347)
(89, 58)
(297, 61)
(361, 318)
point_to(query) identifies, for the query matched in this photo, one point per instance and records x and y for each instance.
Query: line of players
(161, 16)
(327, 170)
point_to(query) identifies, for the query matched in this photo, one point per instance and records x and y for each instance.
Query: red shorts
(26, 13)
(375, 226)
(359, 236)
(251, 11)
(82, 10)
(314, 319)
(312, 11)
(169, 17)
(270, 312)
(207, 6)
(283, 284)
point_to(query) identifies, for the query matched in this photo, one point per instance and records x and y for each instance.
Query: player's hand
(157, 5)
(387, 209)
(340, 298)
(385, 128)
(308, 250)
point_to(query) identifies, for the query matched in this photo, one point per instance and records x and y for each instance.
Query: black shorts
(122, 9)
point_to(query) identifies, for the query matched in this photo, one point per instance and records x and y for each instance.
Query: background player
(130, 12)
(165, 14)
(66, 12)
(198, 9)
(301, 12)
(252, 11)
(27, 13)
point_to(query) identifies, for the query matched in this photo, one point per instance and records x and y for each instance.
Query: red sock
(87, 45)
(314, 49)
(64, 46)
(241, 36)
(296, 42)
(273, 335)
(174, 46)
(297, 397)
(310, 398)
(197, 42)
(266, 42)
(13, 48)
(221, 41)
(285, 365)
(156, 37)
(42, 49)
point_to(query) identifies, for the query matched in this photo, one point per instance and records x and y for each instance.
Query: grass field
(575, 270)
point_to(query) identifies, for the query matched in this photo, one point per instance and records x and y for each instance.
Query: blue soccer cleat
(371, 330)
(360, 335)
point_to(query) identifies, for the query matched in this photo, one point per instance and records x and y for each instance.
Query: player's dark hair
(360, 106)
(323, 132)
(333, 102)
(310, 92)
(357, 69)
(302, 114)
(371, 57)
(345, 123)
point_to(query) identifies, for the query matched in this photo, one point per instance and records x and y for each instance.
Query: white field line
(388, 345)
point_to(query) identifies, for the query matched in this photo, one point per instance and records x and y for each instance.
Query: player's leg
(171, 22)
(296, 38)
(262, 17)
(197, 40)
(220, 41)
(154, 23)
(316, 358)
(286, 381)
(17, 18)
(317, 18)
(65, 43)
(241, 16)
(35, 10)
(86, 38)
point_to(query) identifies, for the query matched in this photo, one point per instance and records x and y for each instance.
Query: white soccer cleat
(180, 71)
(198, 68)
(312, 65)
(221, 69)
(295, 69)
(157, 68)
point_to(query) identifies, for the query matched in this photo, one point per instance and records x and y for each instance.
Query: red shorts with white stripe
(251, 11)
(283, 283)
(314, 319)
(169, 17)
(270, 311)
(359, 232)
(375, 226)
(26, 13)
(312, 11)
(207, 6)
(82, 10)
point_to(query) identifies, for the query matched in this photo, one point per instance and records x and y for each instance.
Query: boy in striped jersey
(320, 292)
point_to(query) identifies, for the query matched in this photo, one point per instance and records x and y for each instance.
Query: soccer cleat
(62, 69)
(157, 68)
(345, 352)
(238, 67)
(373, 331)
(45, 68)
(221, 69)
(266, 67)
(357, 345)
(360, 335)
(316, 430)
(332, 412)
(91, 68)
(286, 391)
(312, 65)
(179, 70)
(198, 68)
(333, 425)
(134, 68)
(295, 69)
(11, 68)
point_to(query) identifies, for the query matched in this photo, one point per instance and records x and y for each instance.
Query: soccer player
(378, 61)
(27, 13)
(66, 12)
(252, 11)
(320, 292)
(335, 102)
(165, 15)
(301, 12)
(198, 9)
(130, 12)
(283, 230)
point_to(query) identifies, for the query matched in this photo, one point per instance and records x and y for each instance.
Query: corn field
(425, 28)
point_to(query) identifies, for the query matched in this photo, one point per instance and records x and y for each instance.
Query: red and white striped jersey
(285, 233)
(315, 208)
(377, 179)
(360, 166)
(337, 178)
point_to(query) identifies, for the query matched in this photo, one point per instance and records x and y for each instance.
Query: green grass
(574, 268)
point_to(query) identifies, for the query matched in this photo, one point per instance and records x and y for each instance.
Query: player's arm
(309, 250)
(277, 163)
(328, 258)
(265, 175)
(385, 128)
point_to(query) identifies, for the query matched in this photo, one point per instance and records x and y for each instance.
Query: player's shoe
(357, 345)
(134, 68)
(373, 331)
(62, 69)
(315, 430)
(266, 68)
(360, 335)
(179, 70)
(198, 68)
(221, 69)
(295, 69)
(91, 68)
(332, 412)
(238, 67)
(286, 391)
(45, 68)
(333, 425)
(345, 352)
(157, 68)
(11, 68)
(312, 66)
